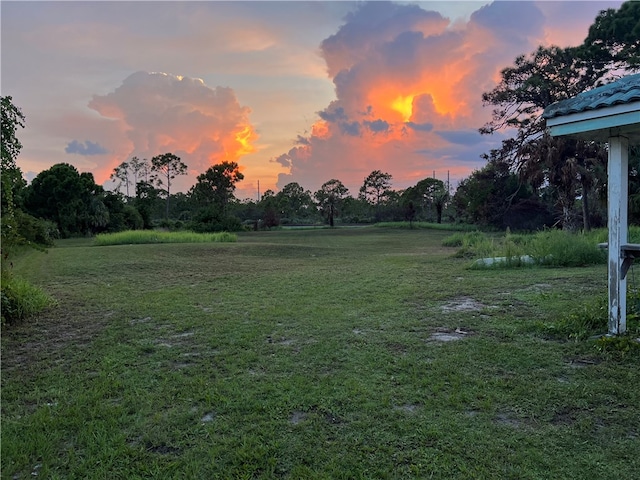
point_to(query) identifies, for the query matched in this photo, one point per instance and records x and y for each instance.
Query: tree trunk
(568, 223)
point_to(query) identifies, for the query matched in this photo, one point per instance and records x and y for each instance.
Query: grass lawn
(356, 353)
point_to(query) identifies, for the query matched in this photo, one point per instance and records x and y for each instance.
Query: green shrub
(560, 248)
(472, 244)
(454, 240)
(514, 248)
(132, 218)
(35, 230)
(20, 300)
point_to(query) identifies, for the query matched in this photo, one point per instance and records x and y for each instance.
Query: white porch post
(618, 193)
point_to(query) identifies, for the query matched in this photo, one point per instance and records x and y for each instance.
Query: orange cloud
(168, 113)
(320, 129)
(404, 106)
(408, 86)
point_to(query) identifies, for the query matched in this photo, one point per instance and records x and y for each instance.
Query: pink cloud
(161, 113)
(408, 86)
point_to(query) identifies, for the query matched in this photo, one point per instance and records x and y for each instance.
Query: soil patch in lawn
(162, 449)
(462, 304)
(582, 362)
(297, 417)
(447, 335)
(508, 420)
(208, 417)
(408, 408)
(563, 417)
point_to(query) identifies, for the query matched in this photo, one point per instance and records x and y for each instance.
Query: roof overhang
(600, 124)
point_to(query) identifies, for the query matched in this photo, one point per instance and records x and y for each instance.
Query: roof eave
(599, 124)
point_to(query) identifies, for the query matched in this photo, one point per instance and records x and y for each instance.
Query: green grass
(311, 354)
(131, 237)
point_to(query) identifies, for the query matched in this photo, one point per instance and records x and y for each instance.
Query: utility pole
(258, 190)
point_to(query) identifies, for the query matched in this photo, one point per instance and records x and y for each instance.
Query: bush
(132, 218)
(231, 224)
(21, 300)
(35, 230)
(454, 240)
(208, 222)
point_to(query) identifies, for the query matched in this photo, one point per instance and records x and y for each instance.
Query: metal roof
(620, 92)
(598, 114)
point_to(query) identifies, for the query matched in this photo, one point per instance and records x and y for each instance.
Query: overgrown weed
(584, 321)
(562, 249)
(618, 347)
(590, 319)
(471, 245)
(20, 299)
(131, 237)
(549, 247)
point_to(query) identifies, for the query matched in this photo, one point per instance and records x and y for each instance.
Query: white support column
(618, 186)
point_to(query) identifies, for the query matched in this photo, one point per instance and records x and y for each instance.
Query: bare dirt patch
(179, 340)
(181, 365)
(462, 304)
(563, 417)
(208, 417)
(581, 362)
(297, 417)
(508, 419)
(278, 340)
(447, 335)
(408, 408)
(136, 321)
(162, 449)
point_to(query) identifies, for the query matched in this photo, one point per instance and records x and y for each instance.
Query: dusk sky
(292, 91)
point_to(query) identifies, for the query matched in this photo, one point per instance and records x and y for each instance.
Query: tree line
(62, 202)
(531, 181)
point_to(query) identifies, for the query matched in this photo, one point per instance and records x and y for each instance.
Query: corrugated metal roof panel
(620, 92)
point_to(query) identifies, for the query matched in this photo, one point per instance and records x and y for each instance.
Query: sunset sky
(292, 91)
